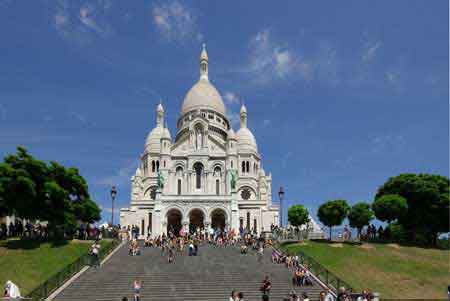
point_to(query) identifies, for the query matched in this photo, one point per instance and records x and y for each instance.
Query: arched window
(217, 187)
(254, 225)
(153, 166)
(198, 167)
(217, 172)
(231, 164)
(179, 171)
(153, 192)
(247, 164)
(157, 166)
(243, 166)
(198, 137)
(248, 220)
(164, 163)
(145, 164)
(179, 187)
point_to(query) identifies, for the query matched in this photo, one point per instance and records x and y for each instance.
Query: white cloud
(392, 77)
(176, 22)
(234, 118)
(327, 63)
(231, 98)
(83, 119)
(370, 50)
(387, 143)
(107, 209)
(83, 24)
(122, 176)
(270, 59)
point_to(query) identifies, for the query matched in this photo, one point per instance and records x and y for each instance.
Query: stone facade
(197, 168)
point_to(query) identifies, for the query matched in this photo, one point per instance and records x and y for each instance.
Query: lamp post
(280, 196)
(113, 197)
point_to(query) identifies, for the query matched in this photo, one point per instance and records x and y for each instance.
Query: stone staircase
(211, 275)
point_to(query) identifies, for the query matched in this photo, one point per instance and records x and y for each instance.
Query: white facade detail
(197, 167)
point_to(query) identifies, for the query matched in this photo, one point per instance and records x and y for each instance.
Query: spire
(160, 114)
(243, 114)
(204, 63)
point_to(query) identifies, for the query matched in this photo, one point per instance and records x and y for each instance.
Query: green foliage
(377, 266)
(389, 207)
(30, 188)
(397, 233)
(428, 202)
(360, 215)
(298, 215)
(333, 213)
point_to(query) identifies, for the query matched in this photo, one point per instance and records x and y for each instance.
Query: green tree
(389, 207)
(360, 215)
(298, 215)
(32, 189)
(333, 213)
(428, 202)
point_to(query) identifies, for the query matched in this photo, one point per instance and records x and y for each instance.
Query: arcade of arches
(195, 219)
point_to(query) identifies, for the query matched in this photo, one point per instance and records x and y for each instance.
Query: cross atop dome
(204, 63)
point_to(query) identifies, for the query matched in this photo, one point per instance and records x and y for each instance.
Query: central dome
(203, 95)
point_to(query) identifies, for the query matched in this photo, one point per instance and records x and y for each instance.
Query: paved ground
(211, 276)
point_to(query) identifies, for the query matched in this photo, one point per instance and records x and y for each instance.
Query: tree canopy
(33, 189)
(333, 213)
(298, 215)
(389, 207)
(360, 215)
(427, 198)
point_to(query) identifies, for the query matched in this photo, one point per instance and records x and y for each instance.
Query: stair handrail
(328, 278)
(44, 290)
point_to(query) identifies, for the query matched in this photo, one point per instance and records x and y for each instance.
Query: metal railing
(327, 277)
(46, 288)
(323, 274)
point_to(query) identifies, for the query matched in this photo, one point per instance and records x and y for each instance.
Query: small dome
(160, 108)
(243, 109)
(231, 135)
(166, 134)
(246, 140)
(262, 173)
(203, 95)
(153, 142)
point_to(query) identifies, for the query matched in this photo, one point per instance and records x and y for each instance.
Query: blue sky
(340, 95)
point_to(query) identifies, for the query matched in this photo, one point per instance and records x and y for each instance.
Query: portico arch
(196, 219)
(174, 218)
(218, 219)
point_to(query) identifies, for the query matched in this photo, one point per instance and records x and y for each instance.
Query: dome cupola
(203, 95)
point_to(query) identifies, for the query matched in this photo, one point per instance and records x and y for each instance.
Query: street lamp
(280, 196)
(113, 197)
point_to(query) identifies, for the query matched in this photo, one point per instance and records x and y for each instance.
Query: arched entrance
(196, 218)
(174, 218)
(218, 219)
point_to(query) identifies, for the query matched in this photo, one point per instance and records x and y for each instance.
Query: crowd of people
(25, 230)
(40, 231)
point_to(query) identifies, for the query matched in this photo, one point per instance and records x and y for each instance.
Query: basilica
(208, 176)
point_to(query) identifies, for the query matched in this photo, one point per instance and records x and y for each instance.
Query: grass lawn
(392, 270)
(29, 263)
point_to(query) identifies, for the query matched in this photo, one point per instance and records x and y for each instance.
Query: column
(234, 218)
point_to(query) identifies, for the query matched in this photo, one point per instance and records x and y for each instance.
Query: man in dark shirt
(266, 285)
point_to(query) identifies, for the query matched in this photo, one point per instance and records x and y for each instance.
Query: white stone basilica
(209, 175)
